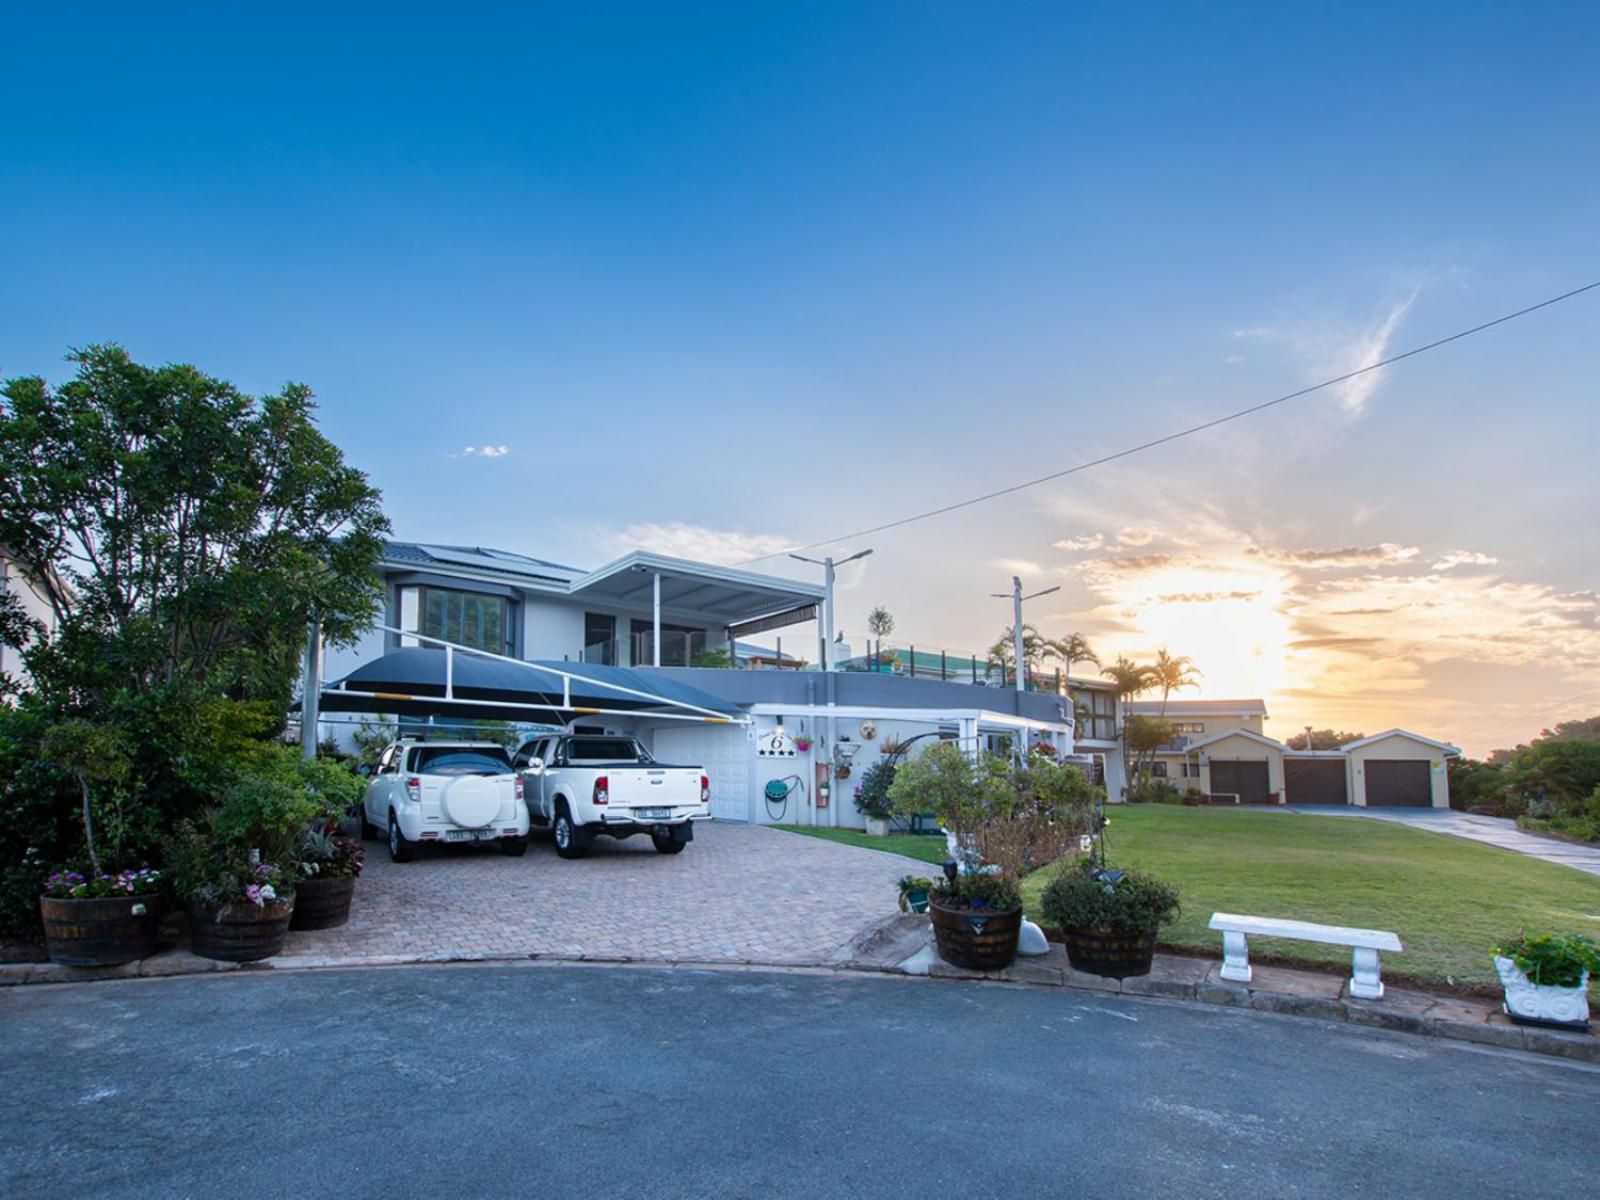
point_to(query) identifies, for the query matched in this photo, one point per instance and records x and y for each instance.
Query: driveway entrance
(739, 893)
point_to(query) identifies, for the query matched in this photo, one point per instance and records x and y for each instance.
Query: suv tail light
(602, 790)
(518, 785)
(414, 788)
(705, 790)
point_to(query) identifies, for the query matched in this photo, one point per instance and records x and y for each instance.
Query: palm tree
(1169, 674)
(1130, 679)
(1003, 652)
(1072, 649)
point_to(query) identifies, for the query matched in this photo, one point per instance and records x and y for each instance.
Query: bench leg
(1364, 981)
(1235, 957)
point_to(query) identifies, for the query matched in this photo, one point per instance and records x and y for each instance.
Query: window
(465, 618)
(1159, 770)
(600, 639)
(1190, 727)
(605, 749)
(459, 760)
(1191, 770)
(1096, 714)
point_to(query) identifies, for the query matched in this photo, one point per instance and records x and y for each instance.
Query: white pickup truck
(444, 792)
(582, 785)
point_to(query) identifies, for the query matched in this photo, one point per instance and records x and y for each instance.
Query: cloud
(1131, 536)
(1205, 597)
(1128, 564)
(1329, 350)
(1018, 566)
(678, 539)
(1464, 558)
(483, 452)
(1345, 557)
(1088, 541)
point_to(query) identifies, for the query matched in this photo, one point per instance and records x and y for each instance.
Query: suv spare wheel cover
(471, 801)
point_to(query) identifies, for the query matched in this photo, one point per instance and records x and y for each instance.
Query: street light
(1017, 598)
(827, 564)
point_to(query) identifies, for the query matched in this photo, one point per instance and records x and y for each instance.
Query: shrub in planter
(872, 796)
(1109, 920)
(1194, 797)
(101, 920)
(977, 919)
(1546, 978)
(329, 867)
(914, 892)
(239, 911)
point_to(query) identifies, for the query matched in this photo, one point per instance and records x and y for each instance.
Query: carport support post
(655, 618)
(311, 690)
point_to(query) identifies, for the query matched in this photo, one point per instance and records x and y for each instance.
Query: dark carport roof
(411, 682)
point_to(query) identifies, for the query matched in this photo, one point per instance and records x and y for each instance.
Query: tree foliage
(1322, 739)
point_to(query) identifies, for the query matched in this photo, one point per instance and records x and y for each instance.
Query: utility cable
(1182, 433)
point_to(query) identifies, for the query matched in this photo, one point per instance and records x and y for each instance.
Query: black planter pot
(985, 940)
(239, 932)
(1110, 953)
(103, 932)
(322, 903)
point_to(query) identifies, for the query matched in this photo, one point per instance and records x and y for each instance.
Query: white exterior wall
(1398, 745)
(34, 604)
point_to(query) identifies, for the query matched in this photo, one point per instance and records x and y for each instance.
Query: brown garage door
(1314, 781)
(1247, 780)
(1398, 783)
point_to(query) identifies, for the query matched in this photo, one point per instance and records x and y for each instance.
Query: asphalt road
(580, 1082)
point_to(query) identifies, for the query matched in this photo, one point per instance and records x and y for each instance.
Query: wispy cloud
(1019, 566)
(483, 452)
(1345, 557)
(1370, 350)
(698, 542)
(1464, 558)
(1087, 541)
(1133, 536)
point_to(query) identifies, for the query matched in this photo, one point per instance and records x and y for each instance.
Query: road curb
(1194, 980)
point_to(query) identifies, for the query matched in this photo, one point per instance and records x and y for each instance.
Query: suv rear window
(459, 760)
(605, 749)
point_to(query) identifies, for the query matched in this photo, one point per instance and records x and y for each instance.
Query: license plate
(652, 814)
(467, 835)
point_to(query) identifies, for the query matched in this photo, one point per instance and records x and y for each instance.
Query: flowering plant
(260, 885)
(70, 885)
(324, 854)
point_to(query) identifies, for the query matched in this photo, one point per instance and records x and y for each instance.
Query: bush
(1134, 904)
(1556, 959)
(872, 793)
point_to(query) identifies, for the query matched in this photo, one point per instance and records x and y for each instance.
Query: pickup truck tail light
(705, 790)
(602, 790)
(414, 788)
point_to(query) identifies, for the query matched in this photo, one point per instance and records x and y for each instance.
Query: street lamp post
(1017, 598)
(827, 564)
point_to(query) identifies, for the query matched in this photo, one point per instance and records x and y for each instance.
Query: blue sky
(725, 278)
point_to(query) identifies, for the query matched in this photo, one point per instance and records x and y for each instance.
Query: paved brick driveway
(739, 893)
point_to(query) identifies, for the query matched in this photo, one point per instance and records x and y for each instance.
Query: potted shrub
(977, 918)
(914, 891)
(330, 863)
(802, 743)
(1546, 978)
(101, 920)
(98, 918)
(1109, 919)
(872, 796)
(1193, 797)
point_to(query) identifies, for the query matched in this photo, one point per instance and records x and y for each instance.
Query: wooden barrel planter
(322, 903)
(239, 932)
(1110, 953)
(982, 940)
(102, 932)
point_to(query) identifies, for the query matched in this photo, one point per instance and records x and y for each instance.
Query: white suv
(445, 792)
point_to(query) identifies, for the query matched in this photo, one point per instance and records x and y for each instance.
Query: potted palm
(1546, 978)
(1109, 920)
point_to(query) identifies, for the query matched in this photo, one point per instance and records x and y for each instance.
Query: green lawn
(1448, 899)
(930, 849)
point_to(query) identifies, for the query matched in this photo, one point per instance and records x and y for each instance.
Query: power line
(1182, 433)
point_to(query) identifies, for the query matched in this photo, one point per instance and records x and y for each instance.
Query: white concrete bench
(1364, 944)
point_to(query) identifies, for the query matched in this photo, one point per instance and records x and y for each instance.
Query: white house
(18, 579)
(624, 647)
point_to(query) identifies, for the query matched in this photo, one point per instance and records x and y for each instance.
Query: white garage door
(724, 752)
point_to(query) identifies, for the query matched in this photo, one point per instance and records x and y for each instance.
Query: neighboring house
(19, 580)
(1194, 721)
(641, 623)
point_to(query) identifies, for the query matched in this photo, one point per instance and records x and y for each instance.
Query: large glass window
(465, 618)
(1096, 714)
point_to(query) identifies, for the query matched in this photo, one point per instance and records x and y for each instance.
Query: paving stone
(1486, 1033)
(1381, 1014)
(1285, 982)
(1170, 976)
(1213, 989)
(1090, 983)
(1029, 970)
(181, 962)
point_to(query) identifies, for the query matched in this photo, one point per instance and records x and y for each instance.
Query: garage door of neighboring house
(1247, 780)
(1398, 783)
(1314, 781)
(724, 752)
